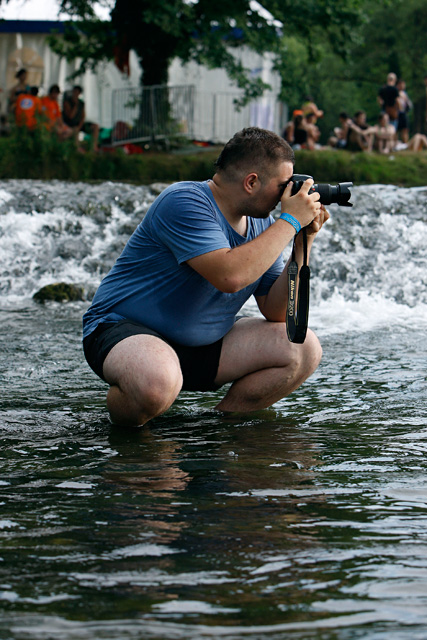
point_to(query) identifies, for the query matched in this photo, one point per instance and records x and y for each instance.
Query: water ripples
(306, 520)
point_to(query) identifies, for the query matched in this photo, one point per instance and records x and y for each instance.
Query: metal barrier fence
(152, 113)
(217, 118)
(162, 113)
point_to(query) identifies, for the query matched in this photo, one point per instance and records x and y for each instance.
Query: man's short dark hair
(77, 87)
(253, 149)
(55, 88)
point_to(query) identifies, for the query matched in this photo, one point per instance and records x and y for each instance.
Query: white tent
(23, 44)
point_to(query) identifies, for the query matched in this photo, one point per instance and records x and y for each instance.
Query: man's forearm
(231, 270)
(274, 305)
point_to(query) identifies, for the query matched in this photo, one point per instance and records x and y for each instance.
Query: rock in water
(59, 292)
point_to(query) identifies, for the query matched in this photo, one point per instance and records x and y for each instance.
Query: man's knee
(163, 389)
(308, 354)
(154, 388)
(137, 403)
(312, 352)
(145, 376)
(303, 359)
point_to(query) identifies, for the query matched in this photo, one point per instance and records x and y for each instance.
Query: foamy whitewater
(369, 263)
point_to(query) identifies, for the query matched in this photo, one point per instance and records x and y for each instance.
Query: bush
(40, 155)
(403, 168)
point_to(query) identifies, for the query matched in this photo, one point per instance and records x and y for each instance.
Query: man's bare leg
(265, 366)
(145, 379)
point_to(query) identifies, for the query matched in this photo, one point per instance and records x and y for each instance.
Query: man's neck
(225, 201)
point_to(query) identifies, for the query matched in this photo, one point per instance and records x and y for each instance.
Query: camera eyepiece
(338, 194)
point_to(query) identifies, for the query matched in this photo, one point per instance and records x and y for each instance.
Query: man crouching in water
(164, 318)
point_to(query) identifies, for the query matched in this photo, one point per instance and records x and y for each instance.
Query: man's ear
(251, 182)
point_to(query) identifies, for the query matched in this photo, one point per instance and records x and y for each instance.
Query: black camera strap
(297, 311)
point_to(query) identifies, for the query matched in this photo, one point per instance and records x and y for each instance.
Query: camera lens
(329, 194)
(339, 194)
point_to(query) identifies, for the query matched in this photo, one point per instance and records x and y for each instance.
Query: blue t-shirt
(151, 283)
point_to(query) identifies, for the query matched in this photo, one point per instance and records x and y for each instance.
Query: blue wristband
(293, 221)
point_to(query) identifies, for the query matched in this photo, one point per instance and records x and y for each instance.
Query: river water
(304, 521)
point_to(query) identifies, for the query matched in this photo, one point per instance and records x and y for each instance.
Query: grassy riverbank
(42, 157)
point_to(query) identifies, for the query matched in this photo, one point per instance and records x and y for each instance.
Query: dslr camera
(329, 194)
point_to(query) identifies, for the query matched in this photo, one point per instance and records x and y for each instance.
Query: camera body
(339, 194)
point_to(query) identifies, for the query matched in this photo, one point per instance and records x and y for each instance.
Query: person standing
(388, 98)
(405, 105)
(309, 106)
(165, 318)
(20, 87)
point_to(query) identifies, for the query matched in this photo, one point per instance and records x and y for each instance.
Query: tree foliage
(208, 33)
(391, 39)
(338, 51)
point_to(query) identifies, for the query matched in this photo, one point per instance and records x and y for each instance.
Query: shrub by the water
(40, 155)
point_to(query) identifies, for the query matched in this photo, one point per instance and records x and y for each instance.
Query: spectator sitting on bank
(289, 130)
(74, 116)
(51, 111)
(300, 133)
(27, 109)
(339, 139)
(313, 131)
(356, 136)
(382, 136)
(20, 87)
(405, 105)
(418, 142)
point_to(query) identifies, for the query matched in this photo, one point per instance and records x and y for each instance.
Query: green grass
(40, 155)
(403, 168)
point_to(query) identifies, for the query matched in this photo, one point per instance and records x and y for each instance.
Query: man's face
(270, 191)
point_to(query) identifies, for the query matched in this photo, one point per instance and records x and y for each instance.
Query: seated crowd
(355, 134)
(27, 108)
(389, 134)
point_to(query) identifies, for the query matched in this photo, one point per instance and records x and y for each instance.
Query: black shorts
(199, 365)
(402, 122)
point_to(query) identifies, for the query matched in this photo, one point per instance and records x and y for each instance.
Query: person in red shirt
(51, 112)
(27, 109)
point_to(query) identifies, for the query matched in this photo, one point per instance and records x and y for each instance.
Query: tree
(391, 39)
(207, 32)
(396, 37)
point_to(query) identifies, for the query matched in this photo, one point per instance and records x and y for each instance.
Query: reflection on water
(307, 520)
